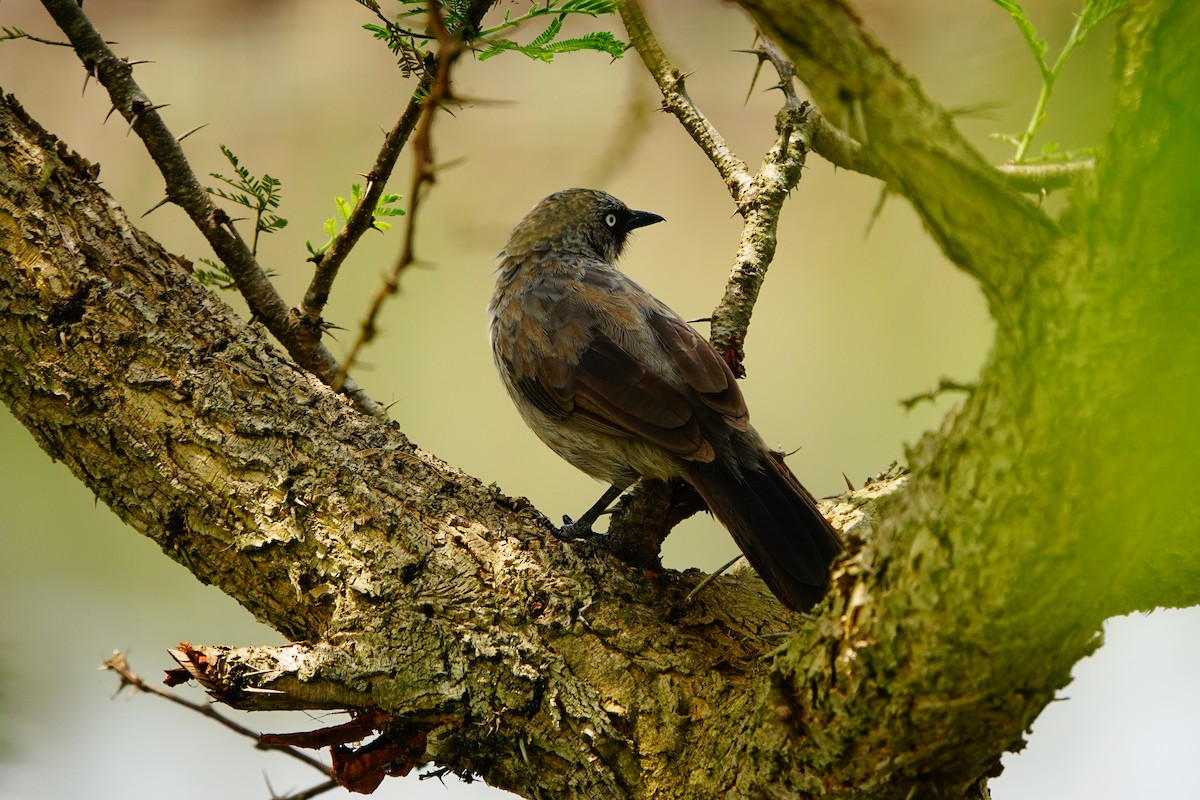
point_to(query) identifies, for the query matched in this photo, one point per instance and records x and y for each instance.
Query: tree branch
(1045, 177)
(973, 213)
(433, 90)
(331, 527)
(362, 217)
(119, 664)
(302, 342)
(450, 48)
(758, 196)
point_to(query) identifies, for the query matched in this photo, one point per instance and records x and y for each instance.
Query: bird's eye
(611, 220)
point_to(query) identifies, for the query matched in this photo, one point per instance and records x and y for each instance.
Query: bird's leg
(581, 528)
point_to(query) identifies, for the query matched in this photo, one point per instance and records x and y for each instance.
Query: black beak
(640, 219)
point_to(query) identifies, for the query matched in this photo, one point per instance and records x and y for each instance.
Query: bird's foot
(573, 531)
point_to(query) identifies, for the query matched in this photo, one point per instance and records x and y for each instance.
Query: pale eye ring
(611, 220)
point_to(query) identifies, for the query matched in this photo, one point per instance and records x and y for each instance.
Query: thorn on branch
(702, 585)
(944, 385)
(139, 107)
(156, 206)
(757, 68)
(767, 51)
(190, 131)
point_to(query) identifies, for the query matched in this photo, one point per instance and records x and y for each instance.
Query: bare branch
(842, 151)
(943, 386)
(119, 663)
(1039, 178)
(759, 196)
(450, 48)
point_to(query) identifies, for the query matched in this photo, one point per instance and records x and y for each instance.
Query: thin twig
(12, 34)
(1044, 177)
(362, 218)
(670, 82)
(303, 342)
(119, 664)
(450, 48)
(310, 792)
(710, 578)
(944, 385)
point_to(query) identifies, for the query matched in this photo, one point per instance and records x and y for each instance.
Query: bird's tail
(776, 523)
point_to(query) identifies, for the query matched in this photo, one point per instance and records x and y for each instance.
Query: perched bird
(619, 385)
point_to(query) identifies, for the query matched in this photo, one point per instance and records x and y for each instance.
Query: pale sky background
(848, 325)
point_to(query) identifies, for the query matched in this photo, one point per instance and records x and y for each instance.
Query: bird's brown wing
(610, 391)
(583, 372)
(702, 367)
(615, 388)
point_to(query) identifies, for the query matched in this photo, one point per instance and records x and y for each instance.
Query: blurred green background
(849, 324)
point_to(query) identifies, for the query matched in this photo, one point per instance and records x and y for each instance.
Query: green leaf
(547, 36)
(1095, 12)
(218, 277)
(1028, 31)
(254, 193)
(601, 41)
(543, 47)
(345, 207)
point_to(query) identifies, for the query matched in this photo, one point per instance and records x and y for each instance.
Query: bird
(619, 385)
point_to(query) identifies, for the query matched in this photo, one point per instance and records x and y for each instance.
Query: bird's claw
(571, 531)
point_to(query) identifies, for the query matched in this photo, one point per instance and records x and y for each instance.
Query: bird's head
(583, 221)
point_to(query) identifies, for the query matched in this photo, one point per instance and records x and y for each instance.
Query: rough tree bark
(1056, 496)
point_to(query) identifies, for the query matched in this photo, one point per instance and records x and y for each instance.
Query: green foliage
(1094, 12)
(345, 207)
(7, 33)
(219, 276)
(408, 34)
(257, 194)
(407, 31)
(546, 45)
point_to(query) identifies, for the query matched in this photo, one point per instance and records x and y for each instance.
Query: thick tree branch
(973, 213)
(393, 567)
